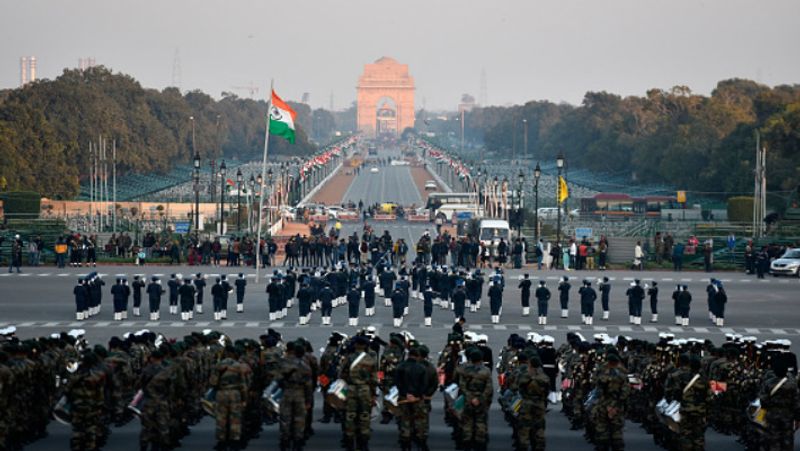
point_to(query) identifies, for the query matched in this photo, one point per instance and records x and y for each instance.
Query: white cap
(548, 339)
(534, 337)
(76, 333)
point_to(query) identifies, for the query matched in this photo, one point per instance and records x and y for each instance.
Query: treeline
(690, 141)
(45, 128)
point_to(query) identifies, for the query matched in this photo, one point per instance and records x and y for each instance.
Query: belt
(548, 366)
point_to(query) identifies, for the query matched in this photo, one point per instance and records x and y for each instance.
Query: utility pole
(114, 185)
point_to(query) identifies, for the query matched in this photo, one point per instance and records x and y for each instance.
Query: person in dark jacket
(218, 295)
(240, 284)
(174, 283)
(118, 296)
(635, 297)
(326, 296)
(720, 299)
(459, 299)
(652, 292)
(427, 304)
(154, 293)
(685, 299)
(199, 286)
(81, 293)
(563, 295)
(369, 295)
(354, 303)
(397, 299)
(542, 301)
(588, 297)
(186, 293)
(138, 285)
(525, 295)
(304, 298)
(604, 285)
(495, 300)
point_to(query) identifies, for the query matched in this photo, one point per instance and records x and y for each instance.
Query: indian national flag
(281, 118)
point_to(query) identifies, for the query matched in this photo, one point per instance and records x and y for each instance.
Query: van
(491, 230)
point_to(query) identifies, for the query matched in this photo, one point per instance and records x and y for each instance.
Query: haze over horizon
(530, 50)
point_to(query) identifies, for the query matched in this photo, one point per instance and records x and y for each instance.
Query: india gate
(385, 98)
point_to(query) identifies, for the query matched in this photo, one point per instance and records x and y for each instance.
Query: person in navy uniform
(353, 304)
(459, 298)
(218, 296)
(118, 296)
(397, 299)
(126, 296)
(542, 301)
(138, 285)
(186, 293)
(495, 299)
(227, 290)
(525, 295)
(304, 298)
(563, 295)
(274, 292)
(635, 297)
(81, 292)
(604, 285)
(588, 296)
(154, 293)
(174, 283)
(199, 286)
(240, 283)
(427, 305)
(369, 295)
(326, 296)
(652, 292)
(95, 293)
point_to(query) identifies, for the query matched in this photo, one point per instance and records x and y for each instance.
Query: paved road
(39, 302)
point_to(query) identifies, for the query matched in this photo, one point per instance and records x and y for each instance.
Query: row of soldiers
(675, 388)
(185, 295)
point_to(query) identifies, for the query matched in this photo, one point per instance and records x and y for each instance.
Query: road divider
(419, 218)
(348, 216)
(385, 217)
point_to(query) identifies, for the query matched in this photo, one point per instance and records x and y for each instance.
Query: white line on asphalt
(650, 329)
(5, 274)
(726, 330)
(625, 329)
(63, 274)
(277, 324)
(476, 327)
(667, 279)
(778, 331)
(26, 324)
(44, 274)
(50, 324)
(251, 325)
(686, 280)
(102, 323)
(499, 327)
(746, 280)
(702, 330)
(751, 330)
(676, 329)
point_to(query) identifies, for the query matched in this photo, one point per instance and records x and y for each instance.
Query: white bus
(491, 230)
(448, 205)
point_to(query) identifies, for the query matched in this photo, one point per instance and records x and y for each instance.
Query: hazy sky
(530, 49)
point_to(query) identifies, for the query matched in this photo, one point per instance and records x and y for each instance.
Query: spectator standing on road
(61, 252)
(602, 250)
(677, 257)
(539, 254)
(16, 254)
(33, 253)
(638, 257)
(708, 255)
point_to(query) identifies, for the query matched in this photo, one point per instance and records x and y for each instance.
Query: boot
(284, 312)
(428, 322)
(239, 308)
(678, 320)
(583, 319)
(362, 444)
(223, 314)
(685, 322)
(630, 319)
(158, 316)
(720, 322)
(590, 320)
(654, 318)
(479, 305)
(386, 418)
(606, 313)
(526, 311)
(405, 445)
(544, 321)
(136, 311)
(564, 313)
(79, 316)
(124, 314)
(199, 308)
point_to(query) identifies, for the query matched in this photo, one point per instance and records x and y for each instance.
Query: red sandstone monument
(385, 98)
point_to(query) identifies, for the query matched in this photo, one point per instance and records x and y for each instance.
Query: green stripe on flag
(281, 129)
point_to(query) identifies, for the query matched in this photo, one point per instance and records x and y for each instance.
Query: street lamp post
(250, 209)
(196, 194)
(239, 180)
(222, 169)
(560, 166)
(520, 215)
(270, 195)
(537, 172)
(525, 137)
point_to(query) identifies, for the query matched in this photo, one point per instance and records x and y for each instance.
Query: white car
(373, 170)
(788, 264)
(431, 185)
(333, 211)
(289, 213)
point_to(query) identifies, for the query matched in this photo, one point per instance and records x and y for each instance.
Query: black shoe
(326, 419)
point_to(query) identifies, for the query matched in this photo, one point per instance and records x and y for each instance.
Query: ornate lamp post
(196, 194)
(252, 192)
(239, 180)
(537, 172)
(222, 169)
(520, 215)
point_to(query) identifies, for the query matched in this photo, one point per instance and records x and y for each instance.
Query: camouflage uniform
(295, 379)
(230, 378)
(85, 393)
(609, 413)
(781, 400)
(121, 384)
(694, 401)
(6, 385)
(534, 387)
(475, 382)
(155, 384)
(360, 371)
(413, 379)
(389, 362)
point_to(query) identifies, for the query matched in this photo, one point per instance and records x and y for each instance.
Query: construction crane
(252, 89)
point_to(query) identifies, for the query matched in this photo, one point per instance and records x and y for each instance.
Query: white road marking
(701, 330)
(778, 331)
(500, 327)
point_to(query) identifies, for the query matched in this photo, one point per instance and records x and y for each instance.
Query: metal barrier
(419, 218)
(348, 216)
(384, 217)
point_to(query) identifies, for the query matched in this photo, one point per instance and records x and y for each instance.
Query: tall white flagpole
(263, 181)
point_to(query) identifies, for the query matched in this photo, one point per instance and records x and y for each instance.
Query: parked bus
(623, 205)
(446, 205)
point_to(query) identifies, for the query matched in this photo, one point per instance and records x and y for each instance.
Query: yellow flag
(563, 191)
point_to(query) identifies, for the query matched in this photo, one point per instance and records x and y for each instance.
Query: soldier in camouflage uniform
(414, 386)
(360, 371)
(475, 383)
(85, 393)
(121, 381)
(230, 378)
(328, 371)
(611, 382)
(534, 386)
(155, 385)
(689, 387)
(781, 399)
(389, 361)
(295, 379)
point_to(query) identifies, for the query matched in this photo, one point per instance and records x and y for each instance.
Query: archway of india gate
(385, 98)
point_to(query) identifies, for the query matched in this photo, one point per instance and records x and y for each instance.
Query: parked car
(430, 185)
(787, 265)
(374, 170)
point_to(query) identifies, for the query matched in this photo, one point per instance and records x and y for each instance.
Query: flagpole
(263, 182)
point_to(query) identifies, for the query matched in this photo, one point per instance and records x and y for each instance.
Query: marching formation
(674, 388)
